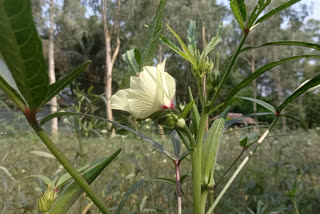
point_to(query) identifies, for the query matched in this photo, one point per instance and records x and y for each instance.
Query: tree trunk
(52, 77)
(110, 58)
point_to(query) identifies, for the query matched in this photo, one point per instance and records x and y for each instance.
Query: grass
(283, 176)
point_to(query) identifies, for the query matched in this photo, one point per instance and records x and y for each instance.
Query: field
(282, 177)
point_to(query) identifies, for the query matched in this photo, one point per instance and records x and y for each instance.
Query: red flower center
(168, 107)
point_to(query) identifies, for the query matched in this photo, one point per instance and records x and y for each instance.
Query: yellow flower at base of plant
(152, 90)
(45, 202)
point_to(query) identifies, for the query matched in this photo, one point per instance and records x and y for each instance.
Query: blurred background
(282, 178)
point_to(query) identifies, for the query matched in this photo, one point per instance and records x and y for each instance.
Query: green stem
(204, 196)
(240, 167)
(230, 65)
(68, 166)
(196, 164)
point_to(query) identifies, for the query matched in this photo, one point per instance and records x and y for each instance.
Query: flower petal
(119, 101)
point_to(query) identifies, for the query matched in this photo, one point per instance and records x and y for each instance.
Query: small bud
(45, 202)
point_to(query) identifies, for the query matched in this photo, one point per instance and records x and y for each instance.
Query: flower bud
(45, 202)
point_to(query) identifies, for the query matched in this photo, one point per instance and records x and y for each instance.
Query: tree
(52, 77)
(110, 55)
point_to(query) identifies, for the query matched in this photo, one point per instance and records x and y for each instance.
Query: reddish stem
(30, 115)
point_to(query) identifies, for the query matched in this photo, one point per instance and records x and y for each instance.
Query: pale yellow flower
(152, 90)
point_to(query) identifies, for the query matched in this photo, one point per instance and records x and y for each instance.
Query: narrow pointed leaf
(260, 71)
(72, 192)
(21, 49)
(239, 10)
(195, 116)
(276, 10)
(56, 87)
(315, 81)
(261, 5)
(152, 42)
(149, 140)
(278, 43)
(173, 47)
(43, 178)
(133, 59)
(236, 120)
(225, 113)
(260, 102)
(191, 35)
(210, 149)
(190, 57)
(214, 41)
(187, 109)
(136, 186)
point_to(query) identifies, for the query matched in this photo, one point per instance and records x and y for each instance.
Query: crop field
(282, 177)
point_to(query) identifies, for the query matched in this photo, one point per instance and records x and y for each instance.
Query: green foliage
(72, 191)
(152, 41)
(21, 49)
(239, 10)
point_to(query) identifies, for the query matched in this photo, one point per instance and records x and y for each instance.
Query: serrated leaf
(260, 102)
(154, 33)
(239, 10)
(210, 149)
(191, 36)
(275, 11)
(315, 81)
(71, 193)
(214, 41)
(58, 86)
(21, 49)
(260, 71)
(149, 140)
(133, 59)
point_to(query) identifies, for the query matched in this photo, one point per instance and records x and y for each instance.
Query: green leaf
(191, 35)
(195, 116)
(280, 43)
(260, 71)
(63, 179)
(239, 10)
(173, 47)
(9, 86)
(214, 41)
(133, 59)
(189, 57)
(187, 109)
(260, 102)
(71, 193)
(243, 141)
(236, 120)
(210, 150)
(261, 5)
(275, 11)
(21, 49)
(225, 113)
(56, 87)
(315, 81)
(136, 186)
(155, 28)
(149, 140)
(176, 142)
